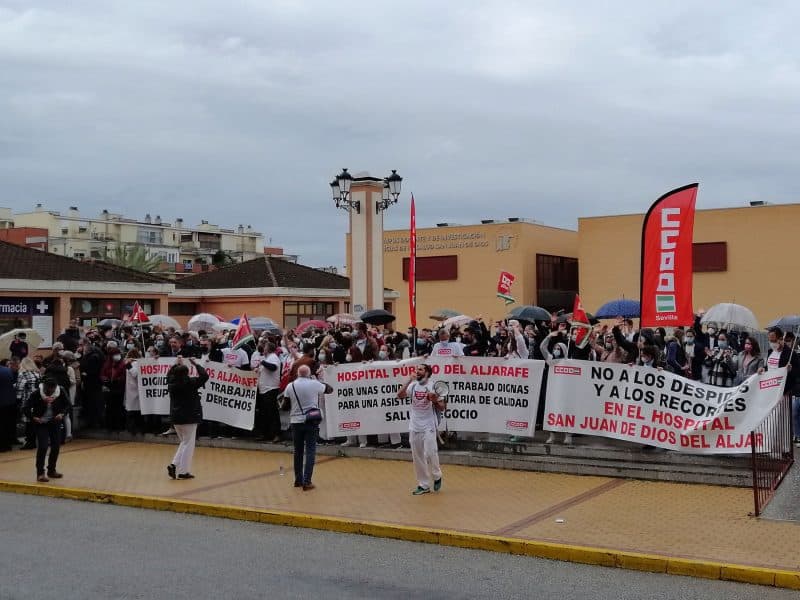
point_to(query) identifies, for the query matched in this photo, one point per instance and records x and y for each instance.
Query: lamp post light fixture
(391, 191)
(340, 190)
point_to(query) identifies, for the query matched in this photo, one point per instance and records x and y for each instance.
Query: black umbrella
(529, 313)
(109, 323)
(377, 316)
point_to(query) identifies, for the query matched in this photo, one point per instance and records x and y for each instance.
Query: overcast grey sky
(242, 111)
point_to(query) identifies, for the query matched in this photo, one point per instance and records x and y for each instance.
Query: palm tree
(134, 257)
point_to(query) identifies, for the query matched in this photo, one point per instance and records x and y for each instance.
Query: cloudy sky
(242, 111)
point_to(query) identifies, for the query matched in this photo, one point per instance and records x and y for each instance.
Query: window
(556, 281)
(434, 268)
(182, 309)
(710, 257)
(150, 236)
(295, 313)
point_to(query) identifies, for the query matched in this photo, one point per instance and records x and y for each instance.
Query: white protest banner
(491, 395)
(153, 391)
(229, 396)
(658, 408)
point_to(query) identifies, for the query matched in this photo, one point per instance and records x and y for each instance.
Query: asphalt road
(60, 549)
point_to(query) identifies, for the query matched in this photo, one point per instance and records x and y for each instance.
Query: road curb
(564, 552)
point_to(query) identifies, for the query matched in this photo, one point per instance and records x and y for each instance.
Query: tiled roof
(265, 271)
(19, 262)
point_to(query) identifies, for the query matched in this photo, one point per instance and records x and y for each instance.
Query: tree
(222, 259)
(134, 257)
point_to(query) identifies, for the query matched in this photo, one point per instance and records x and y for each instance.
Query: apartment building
(181, 247)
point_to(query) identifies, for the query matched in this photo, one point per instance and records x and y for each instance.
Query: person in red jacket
(112, 376)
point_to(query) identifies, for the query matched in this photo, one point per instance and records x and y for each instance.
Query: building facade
(182, 248)
(745, 255)
(458, 267)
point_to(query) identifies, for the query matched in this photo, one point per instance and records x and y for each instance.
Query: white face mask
(322, 356)
(458, 339)
(774, 345)
(130, 346)
(116, 357)
(383, 355)
(78, 355)
(349, 358)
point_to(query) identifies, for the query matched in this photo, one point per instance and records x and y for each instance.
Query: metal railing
(772, 452)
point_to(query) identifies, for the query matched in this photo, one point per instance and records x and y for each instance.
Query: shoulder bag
(313, 415)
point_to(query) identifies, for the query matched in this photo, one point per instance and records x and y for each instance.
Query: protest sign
(491, 395)
(659, 408)
(229, 395)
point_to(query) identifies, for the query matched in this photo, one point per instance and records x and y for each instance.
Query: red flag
(504, 287)
(138, 315)
(581, 323)
(666, 278)
(412, 265)
(243, 333)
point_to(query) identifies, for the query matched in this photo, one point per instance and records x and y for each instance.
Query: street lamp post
(357, 195)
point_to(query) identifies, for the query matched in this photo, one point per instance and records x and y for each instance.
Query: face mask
(774, 345)
(458, 339)
(420, 342)
(78, 355)
(116, 357)
(322, 357)
(609, 347)
(383, 355)
(129, 346)
(349, 358)
(283, 343)
(748, 347)
(690, 340)
(333, 345)
(723, 345)
(647, 363)
(557, 352)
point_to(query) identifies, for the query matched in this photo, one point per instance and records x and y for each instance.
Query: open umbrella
(458, 321)
(164, 321)
(312, 323)
(787, 323)
(726, 313)
(220, 327)
(31, 336)
(256, 322)
(529, 313)
(203, 321)
(443, 314)
(343, 319)
(109, 323)
(619, 308)
(377, 316)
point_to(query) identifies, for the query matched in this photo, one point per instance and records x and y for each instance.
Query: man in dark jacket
(92, 359)
(19, 347)
(8, 409)
(47, 406)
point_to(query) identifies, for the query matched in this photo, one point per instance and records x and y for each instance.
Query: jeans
(47, 434)
(305, 439)
(796, 416)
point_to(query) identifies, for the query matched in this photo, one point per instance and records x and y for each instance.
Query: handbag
(313, 415)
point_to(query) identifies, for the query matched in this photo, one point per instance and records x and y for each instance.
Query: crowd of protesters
(97, 368)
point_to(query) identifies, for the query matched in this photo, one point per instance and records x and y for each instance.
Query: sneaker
(185, 476)
(308, 486)
(170, 431)
(437, 485)
(421, 490)
(347, 444)
(171, 471)
(362, 445)
(567, 439)
(54, 475)
(397, 447)
(43, 478)
(551, 439)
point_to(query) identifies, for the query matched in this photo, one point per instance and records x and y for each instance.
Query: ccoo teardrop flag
(666, 277)
(412, 266)
(138, 315)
